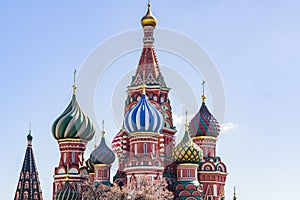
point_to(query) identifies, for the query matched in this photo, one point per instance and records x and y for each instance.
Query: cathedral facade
(145, 145)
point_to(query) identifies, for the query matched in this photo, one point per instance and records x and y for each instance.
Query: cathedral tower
(72, 130)
(143, 123)
(28, 187)
(148, 73)
(204, 130)
(187, 156)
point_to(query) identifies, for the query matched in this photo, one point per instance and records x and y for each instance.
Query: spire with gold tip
(73, 123)
(149, 19)
(234, 194)
(187, 151)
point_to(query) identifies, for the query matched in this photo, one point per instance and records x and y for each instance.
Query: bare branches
(141, 188)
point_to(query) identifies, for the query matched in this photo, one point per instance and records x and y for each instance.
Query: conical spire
(148, 70)
(29, 184)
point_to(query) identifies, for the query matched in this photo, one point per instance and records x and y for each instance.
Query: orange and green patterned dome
(187, 151)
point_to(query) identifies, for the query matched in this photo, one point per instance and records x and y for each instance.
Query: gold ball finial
(148, 19)
(203, 95)
(103, 132)
(186, 121)
(95, 142)
(74, 83)
(144, 89)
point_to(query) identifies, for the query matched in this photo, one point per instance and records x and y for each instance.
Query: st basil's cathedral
(144, 146)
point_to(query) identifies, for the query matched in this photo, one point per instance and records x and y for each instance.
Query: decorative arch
(208, 166)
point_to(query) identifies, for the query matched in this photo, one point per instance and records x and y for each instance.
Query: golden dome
(187, 151)
(148, 19)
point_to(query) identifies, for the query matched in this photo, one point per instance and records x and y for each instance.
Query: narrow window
(145, 148)
(73, 157)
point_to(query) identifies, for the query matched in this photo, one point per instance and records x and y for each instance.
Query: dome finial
(143, 89)
(148, 19)
(95, 145)
(234, 194)
(29, 131)
(74, 83)
(103, 132)
(186, 121)
(203, 94)
(29, 136)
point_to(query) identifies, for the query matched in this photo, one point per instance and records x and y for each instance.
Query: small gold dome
(148, 19)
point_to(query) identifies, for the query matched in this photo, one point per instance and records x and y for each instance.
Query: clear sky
(254, 44)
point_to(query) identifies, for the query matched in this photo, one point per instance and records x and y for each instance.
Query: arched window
(27, 175)
(188, 173)
(26, 185)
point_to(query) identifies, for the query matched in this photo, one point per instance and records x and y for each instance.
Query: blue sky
(254, 44)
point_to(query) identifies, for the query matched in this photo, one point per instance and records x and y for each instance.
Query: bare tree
(143, 188)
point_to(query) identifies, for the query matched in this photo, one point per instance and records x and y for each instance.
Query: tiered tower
(187, 156)
(148, 73)
(143, 123)
(72, 130)
(204, 130)
(28, 187)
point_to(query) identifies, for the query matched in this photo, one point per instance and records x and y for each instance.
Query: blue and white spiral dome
(143, 117)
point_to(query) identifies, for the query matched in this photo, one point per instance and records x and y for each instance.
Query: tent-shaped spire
(28, 187)
(148, 70)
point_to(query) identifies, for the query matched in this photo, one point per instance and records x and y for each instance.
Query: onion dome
(204, 123)
(29, 136)
(102, 154)
(187, 151)
(143, 117)
(73, 123)
(149, 19)
(66, 193)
